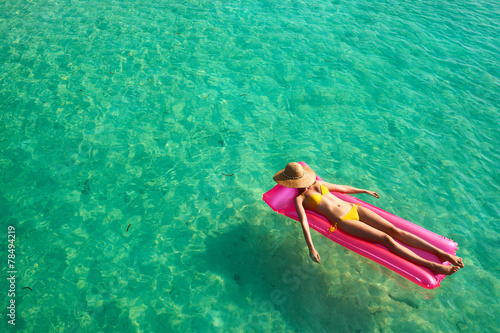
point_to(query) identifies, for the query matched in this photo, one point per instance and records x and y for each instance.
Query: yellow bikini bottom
(351, 215)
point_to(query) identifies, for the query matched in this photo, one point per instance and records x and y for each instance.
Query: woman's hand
(315, 256)
(375, 194)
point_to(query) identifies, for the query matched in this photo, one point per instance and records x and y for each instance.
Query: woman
(355, 220)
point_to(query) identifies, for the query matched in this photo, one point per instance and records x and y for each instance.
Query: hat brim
(307, 179)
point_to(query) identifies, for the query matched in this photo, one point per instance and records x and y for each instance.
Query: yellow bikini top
(315, 199)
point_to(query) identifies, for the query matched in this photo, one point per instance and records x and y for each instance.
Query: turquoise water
(169, 119)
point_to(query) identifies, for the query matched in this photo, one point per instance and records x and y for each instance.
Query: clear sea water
(169, 119)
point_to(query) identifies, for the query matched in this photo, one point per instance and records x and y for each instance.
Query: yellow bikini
(352, 214)
(315, 199)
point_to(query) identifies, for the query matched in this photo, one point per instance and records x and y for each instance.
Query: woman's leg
(376, 221)
(370, 234)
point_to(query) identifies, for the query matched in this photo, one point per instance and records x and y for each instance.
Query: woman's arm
(305, 228)
(348, 189)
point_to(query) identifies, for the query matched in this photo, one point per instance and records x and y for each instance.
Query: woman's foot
(443, 269)
(454, 260)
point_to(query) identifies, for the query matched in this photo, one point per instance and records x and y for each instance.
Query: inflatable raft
(281, 200)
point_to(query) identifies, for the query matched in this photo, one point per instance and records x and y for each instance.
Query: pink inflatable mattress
(281, 200)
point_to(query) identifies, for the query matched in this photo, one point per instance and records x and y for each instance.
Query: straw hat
(295, 176)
